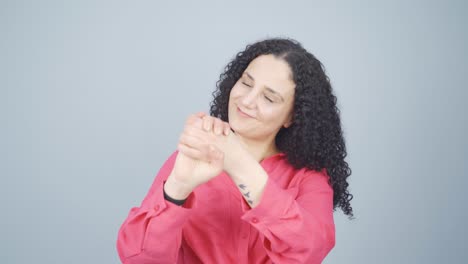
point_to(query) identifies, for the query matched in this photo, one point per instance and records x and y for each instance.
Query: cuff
(160, 205)
(274, 204)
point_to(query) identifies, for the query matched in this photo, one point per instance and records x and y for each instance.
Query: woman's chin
(243, 131)
(237, 128)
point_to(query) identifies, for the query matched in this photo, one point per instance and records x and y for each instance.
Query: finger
(190, 120)
(189, 152)
(200, 144)
(218, 126)
(191, 141)
(202, 154)
(195, 123)
(200, 114)
(199, 133)
(193, 118)
(227, 128)
(207, 123)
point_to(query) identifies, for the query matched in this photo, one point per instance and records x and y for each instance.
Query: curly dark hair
(315, 138)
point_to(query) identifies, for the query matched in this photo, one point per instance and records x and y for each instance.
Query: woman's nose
(249, 98)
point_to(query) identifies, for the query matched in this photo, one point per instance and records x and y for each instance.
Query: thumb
(194, 118)
(200, 114)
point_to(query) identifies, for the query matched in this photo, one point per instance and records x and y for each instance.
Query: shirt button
(244, 236)
(254, 220)
(156, 208)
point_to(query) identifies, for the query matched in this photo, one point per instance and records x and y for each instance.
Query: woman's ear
(288, 121)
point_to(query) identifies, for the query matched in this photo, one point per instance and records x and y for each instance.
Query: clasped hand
(207, 146)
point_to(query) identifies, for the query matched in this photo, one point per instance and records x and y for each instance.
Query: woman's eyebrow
(250, 76)
(266, 87)
(275, 93)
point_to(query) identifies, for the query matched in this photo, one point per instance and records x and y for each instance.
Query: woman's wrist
(235, 154)
(251, 180)
(177, 190)
(238, 161)
(172, 200)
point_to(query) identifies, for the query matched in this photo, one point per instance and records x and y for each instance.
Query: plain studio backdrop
(94, 96)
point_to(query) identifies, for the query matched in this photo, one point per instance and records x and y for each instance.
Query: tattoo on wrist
(247, 194)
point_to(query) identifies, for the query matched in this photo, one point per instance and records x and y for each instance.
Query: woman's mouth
(243, 114)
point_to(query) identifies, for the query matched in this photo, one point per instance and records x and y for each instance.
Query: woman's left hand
(237, 161)
(217, 133)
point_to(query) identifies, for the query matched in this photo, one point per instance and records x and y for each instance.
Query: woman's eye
(269, 100)
(246, 84)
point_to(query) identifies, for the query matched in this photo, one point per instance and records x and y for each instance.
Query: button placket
(242, 249)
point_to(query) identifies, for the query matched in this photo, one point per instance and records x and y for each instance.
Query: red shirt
(293, 223)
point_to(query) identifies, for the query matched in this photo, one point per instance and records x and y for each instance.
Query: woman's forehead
(272, 72)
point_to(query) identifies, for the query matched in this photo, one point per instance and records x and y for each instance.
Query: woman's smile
(243, 114)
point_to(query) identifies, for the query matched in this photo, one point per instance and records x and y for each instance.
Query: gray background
(94, 95)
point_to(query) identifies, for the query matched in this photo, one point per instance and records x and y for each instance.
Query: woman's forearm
(176, 189)
(250, 178)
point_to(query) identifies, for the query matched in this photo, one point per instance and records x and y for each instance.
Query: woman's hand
(238, 163)
(225, 141)
(199, 158)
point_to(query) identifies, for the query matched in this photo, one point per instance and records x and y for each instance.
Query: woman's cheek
(236, 91)
(268, 112)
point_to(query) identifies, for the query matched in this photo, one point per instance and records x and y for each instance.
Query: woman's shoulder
(279, 164)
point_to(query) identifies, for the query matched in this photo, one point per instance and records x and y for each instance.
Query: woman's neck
(259, 150)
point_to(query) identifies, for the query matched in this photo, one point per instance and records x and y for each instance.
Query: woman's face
(262, 100)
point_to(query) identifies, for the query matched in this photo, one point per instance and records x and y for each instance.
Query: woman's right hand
(188, 172)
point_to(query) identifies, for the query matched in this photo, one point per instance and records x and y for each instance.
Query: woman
(258, 180)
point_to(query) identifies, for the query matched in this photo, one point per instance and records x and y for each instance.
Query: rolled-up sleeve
(153, 231)
(295, 224)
